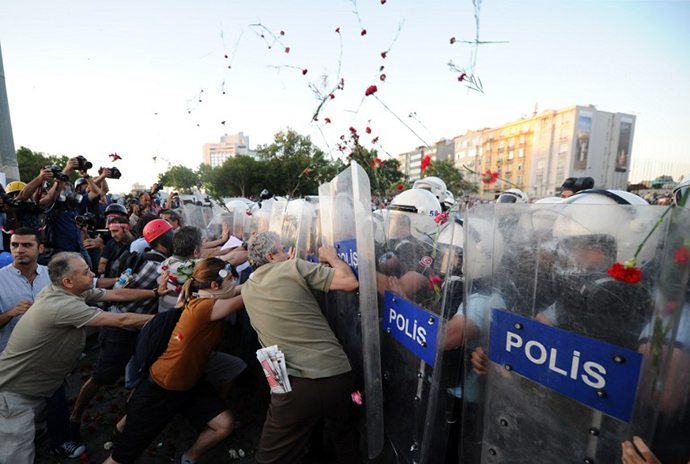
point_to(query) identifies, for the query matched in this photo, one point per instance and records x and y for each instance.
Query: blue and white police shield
(564, 362)
(346, 223)
(418, 267)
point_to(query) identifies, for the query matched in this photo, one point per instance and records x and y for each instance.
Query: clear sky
(95, 77)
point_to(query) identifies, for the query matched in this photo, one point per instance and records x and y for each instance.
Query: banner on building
(623, 151)
(582, 131)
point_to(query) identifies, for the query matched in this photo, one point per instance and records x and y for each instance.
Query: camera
(57, 173)
(84, 164)
(114, 173)
(86, 219)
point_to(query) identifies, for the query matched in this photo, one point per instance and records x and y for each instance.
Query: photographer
(65, 203)
(144, 206)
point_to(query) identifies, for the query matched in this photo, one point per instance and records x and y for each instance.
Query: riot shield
(239, 209)
(194, 215)
(293, 222)
(419, 285)
(566, 354)
(346, 223)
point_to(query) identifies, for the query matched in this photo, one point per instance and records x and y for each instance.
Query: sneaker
(68, 450)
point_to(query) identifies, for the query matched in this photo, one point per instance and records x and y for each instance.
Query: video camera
(90, 221)
(84, 164)
(57, 172)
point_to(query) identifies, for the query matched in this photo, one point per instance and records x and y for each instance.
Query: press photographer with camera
(65, 202)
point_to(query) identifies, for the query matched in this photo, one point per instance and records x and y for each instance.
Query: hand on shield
(638, 453)
(480, 361)
(226, 232)
(327, 254)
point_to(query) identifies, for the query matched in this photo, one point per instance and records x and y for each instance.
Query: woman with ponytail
(174, 383)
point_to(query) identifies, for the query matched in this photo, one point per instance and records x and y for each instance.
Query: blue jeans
(57, 418)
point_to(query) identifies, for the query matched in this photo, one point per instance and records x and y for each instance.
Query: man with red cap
(118, 345)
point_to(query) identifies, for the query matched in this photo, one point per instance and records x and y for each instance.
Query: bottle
(124, 279)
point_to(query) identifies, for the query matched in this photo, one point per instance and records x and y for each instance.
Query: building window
(519, 180)
(511, 154)
(563, 149)
(461, 154)
(511, 142)
(512, 130)
(540, 165)
(472, 152)
(502, 134)
(525, 128)
(464, 143)
(521, 153)
(519, 168)
(501, 144)
(522, 140)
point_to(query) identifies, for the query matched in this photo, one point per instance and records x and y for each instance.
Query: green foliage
(180, 178)
(452, 176)
(294, 165)
(384, 176)
(31, 162)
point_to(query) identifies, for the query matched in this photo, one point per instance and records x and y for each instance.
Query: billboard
(582, 131)
(623, 150)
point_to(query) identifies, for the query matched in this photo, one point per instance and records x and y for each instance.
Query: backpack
(154, 337)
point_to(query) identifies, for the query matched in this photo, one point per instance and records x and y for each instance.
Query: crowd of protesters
(76, 259)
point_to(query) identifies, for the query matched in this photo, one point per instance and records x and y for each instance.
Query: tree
(181, 178)
(384, 176)
(31, 162)
(294, 165)
(238, 176)
(455, 181)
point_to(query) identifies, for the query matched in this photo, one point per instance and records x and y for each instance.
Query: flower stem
(403, 122)
(656, 225)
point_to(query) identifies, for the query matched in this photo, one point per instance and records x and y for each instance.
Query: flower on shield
(681, 256)
(626, 272)
(441, 218)
(356, 397)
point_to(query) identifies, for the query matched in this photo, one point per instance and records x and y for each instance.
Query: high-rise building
(215, 154)
(537, 153)
(411, 162)
(8, 157)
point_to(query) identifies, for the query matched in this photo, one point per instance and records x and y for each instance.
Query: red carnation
(304, 71)
(462, 77)
(371, 90)
(681, 256)
(282, 32)
(306, 170)
(332, 96)
(383, 54)
(375, 140)
(226, 56)
(376, 163)
(426, 162)
(400, 187)
(364, 32)
(489, 177)
(625, 273)
(383, 2)
(368, 129)
(353, 130)
(382, 77)
(441, 218)
(328, 120)
(337, 30)
(287, 49)
(452, 40)
(435, 281)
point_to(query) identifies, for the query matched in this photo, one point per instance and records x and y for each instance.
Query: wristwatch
(155, 293)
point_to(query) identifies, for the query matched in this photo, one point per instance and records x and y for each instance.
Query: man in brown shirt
(283, 311)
